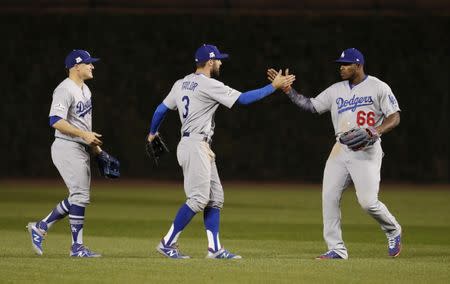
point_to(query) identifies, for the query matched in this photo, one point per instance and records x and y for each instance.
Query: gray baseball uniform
(197, 98)
(71, 109)
(366, 104)
(70, 154)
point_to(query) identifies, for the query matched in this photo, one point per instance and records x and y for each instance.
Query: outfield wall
(142, 55)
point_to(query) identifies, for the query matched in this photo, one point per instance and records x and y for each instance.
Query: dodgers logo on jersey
(83, 108)
(353, 103)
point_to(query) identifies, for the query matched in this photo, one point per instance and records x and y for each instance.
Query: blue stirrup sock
(59, 212)
(76, 219)
(211, 218)
(183, 217)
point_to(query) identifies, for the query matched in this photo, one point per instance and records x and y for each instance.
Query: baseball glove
(156, 148)
(359, 138)
(108, 165)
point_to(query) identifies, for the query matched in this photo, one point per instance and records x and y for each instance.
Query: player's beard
(215, 71)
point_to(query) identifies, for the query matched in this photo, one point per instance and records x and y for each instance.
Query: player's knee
(369, 205)
(216, 204)
(80, 198)
(196, 204)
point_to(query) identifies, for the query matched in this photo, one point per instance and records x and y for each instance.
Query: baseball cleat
(331, 254)
(170, 251)
(79, 250)
(222, 254)
(395, 245)
(37, 237)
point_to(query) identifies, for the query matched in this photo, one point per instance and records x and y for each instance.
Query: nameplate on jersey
(353, 103)
(189, 86)
(83, 108)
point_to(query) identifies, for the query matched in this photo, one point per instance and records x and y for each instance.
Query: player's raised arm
(279, 81)
(301, 101)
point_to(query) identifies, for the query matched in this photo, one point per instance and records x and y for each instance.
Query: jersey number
(185, 99)
(362, 118)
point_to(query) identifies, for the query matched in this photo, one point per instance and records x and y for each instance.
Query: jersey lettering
(353, 103)
(83, 108)
(362, 118)
(189, 86)
(185, 99)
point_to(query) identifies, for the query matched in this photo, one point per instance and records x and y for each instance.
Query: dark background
(145, 46)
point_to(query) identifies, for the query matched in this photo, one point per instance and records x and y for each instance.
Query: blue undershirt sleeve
(54, 119)
(255, 95)
(158, 117)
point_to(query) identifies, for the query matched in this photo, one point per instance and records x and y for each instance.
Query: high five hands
(272, 75)
(280, 81)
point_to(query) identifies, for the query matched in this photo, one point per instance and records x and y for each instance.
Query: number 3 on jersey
(362, 118)
(185, 99)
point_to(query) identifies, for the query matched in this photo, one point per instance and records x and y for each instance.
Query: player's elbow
(243, 100)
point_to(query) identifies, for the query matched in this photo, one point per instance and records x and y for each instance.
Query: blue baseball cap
(207, 52)
(351, 55)
(78, 56)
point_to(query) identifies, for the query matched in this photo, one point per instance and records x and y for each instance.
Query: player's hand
(92, 138)
(150, 136)
(272, 74)
(281, 81)
(288, 88)
(96, 150)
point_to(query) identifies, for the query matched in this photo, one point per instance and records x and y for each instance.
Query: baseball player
(197, 97)
(71, 116)
(362, 109)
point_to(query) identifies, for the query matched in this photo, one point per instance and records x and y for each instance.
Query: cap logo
(342, 54)
(357, 59)
(78, 60)
(212, 55)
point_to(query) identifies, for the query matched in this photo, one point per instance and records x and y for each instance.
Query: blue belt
(205, 137)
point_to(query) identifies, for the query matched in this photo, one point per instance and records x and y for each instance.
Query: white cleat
(37, 237)
(222, 254)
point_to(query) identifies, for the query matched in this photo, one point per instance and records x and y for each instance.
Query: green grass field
(276, 228)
